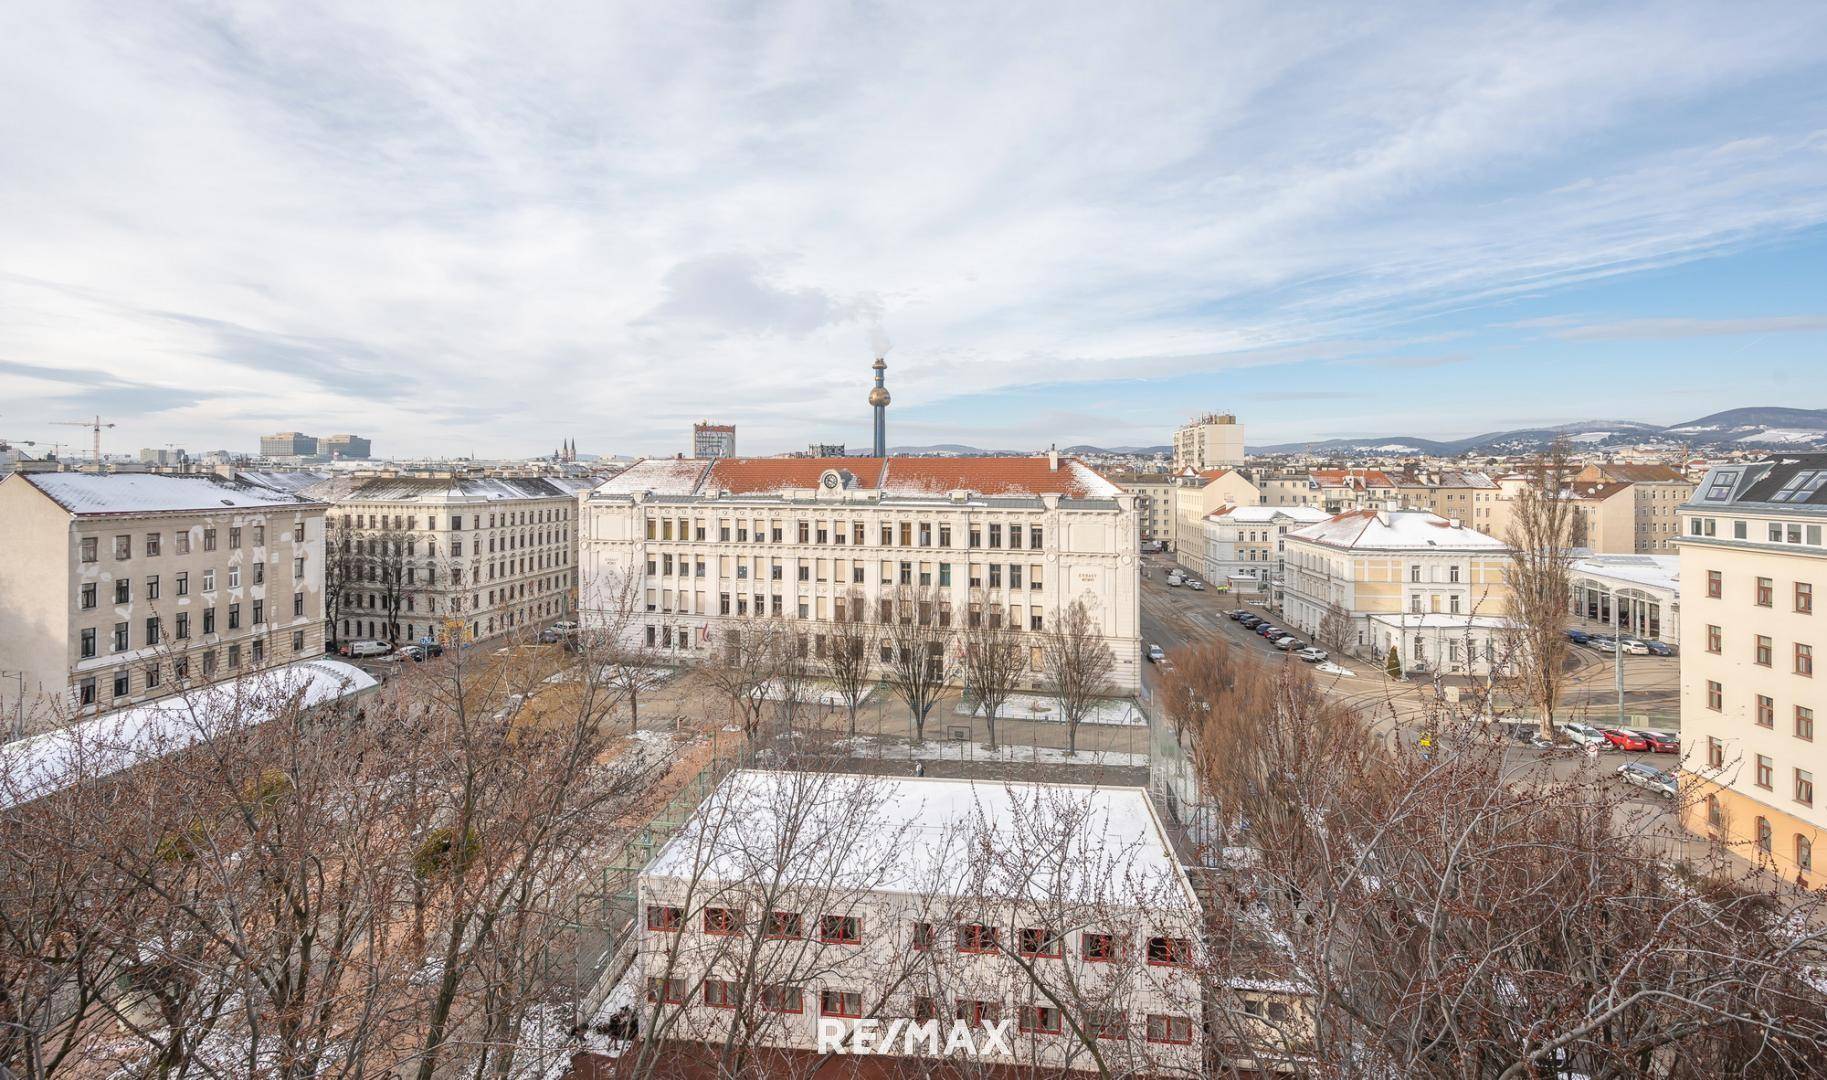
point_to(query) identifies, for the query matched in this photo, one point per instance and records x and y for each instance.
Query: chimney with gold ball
(878, 401)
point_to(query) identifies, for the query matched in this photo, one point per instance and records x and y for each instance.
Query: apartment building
(1629, 509)
(288, 444)
(1753, 557)
(1432, 588)
(1155, 507)
(1249, 542)
(346, 447)
(1209, 441)
(121, 587)
(709, 543)
(450, 558)
(893, 923)
(710, 440)
(1282, 488)
(1197, 494)
(1466, 495)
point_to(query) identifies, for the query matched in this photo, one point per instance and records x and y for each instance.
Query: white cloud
(485, 228)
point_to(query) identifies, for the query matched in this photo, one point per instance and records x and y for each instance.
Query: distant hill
(942, 448)
(1747, 427)
(1141, 451)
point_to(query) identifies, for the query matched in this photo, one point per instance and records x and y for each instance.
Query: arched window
(1804, 852)
(1763, 835)
(1714, 815)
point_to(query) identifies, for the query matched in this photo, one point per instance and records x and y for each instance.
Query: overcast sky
(487, 231)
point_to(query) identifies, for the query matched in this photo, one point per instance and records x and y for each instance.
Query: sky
(483, 229)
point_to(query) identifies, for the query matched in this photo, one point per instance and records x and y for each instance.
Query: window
(1099, 948)
(234, 577)
(152, 544)
(1804, 660)
(85, 692)
(1804, 723)
(209, 539)
(1039, 1020)
(1764, 650)
(1766, 592)
(722, 920)
(183, 583)
(1804, 853)
(1163, 1028)
(123, 683)
(845, 1003)
(1038, 941)
(234, 537)
(1766, 711)
(1715, 814)
(1169, 950)
(123, 547)
(777, 997)
(260, 536)
(1764, 836)
(924, 1009)
(976, 938)
(120, 637)
(665, 991)
(209, 580)
(152, 630)
(978, 1012)
(1715, 584)
(1804, 787)
(1715, 639)
(1715, 753)
(297, 603)
(720, 993)
(1766, 773)
(183, 626)
(663, 917)
(785, 924)
(1804, 598)
(234, 616)
(1715, 696)
(1107, 1023)
(152, 587)
(152, 676)
(840, 930)
(924, 936)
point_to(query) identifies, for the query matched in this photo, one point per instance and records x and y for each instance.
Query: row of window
(664, 565)
(499, 519)
(1765, 595)
(1801, 847)
(1801, 780)
(891, 534)
(1775, 532)
(153, 674)
(153, 543)
(89, 592)
(121, 637)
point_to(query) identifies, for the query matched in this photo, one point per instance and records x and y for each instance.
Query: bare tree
(1539, 577)
(1077, 667)
(846, 662)
(744, 668)
(995, 656)
(1335, 631)
(619, 635)
(341, 570)
(916, 638)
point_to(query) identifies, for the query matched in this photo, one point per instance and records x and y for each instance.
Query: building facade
(704, 545)
(1629, 509)
(1432, 589)
(1197, 494)
(450, 559)
(1209, 441)
(1247, 544)
(123, 587)
(1753, 558)
(288, 444)
(710, 440)
(1638, 595)
(346, 447)
(1155, 507)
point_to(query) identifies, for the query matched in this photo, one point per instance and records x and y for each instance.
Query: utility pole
(94, 425)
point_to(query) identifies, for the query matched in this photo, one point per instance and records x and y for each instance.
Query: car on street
(1239, 614)
(1155, 655)
(1195, 584)
(363, 647)
(429, 647)
(1578, 637)
(1659, 648)
(1585, 734)
(1286, 643)
(415, 653)
(1660, 742)
(1312, 655)
(1625, 739)
(1602, 642)
(1269, 630)
(1648, 777)
(1250, 622)
(1634, 647)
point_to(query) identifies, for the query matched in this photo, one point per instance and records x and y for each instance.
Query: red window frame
(976, 938)
(722, 921)
(1766, 592)
(842, 998)
(840, 929)
(1804, 660)
(1168, 1028)
(1048, 944)
(785, 925)
(925, 936)
(1034, 1020)
(979, 1012)
(1110, 952)
(1107, 1023)
(665, 918)
(1174, 952)
(773, 995)
(1715, 584)
(662, 990)
(720, 993)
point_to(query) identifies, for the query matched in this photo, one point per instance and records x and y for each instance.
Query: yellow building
(1623, 509)
(1751, 561)
(1195, 497)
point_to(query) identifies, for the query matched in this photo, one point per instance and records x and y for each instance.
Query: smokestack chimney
(1053, 458)
(878, 402)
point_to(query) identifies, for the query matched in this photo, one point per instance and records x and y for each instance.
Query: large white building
(706, 544)
(1250, 542)
(1209, 441)
(790, 901)
(1426, 586)
(116, 588)
(454, 559)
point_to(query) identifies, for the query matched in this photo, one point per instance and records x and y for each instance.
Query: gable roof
(752, 476)
(994, 476)
(1621, 472)
(153, 493)
(896, 476)
(1395, 530)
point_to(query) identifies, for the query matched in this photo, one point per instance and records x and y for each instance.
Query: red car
(1624, 739)
(1660, 742)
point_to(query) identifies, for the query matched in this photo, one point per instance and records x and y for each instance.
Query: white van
(1176, 578)
(366, 648)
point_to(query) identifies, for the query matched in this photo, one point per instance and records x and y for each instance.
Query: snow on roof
(906, 476)
(89, 749)
(1650, 571)
(1395, 530)
(293, 483)
(442, 489)
(573, 484)
(1260, 515)
(658, 476)
(1436, 620)
(150, 493)
(932, 820)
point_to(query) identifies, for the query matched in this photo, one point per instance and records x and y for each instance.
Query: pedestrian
(919, 768)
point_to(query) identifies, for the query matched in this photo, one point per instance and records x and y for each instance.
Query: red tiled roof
(994, 476)
(744, 476)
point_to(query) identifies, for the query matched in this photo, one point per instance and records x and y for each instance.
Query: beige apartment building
(1155, 508)
(452, 559)
(706, 544)
(1629, 509)
(1195, 497)
(118, 588)
(1752, 562)
(1210, 441)
(1433, 589)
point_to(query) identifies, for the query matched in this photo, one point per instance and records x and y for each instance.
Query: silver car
(1648, 777)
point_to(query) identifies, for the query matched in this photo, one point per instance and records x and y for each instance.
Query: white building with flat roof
(1248, 543)
(1639, 595)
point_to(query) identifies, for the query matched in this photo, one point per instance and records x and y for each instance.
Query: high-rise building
(710, 440)
(1210, 441)
(825, 449)
(288, 444)
(345, 447)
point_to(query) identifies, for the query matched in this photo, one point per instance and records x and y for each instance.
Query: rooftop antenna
(94, 425)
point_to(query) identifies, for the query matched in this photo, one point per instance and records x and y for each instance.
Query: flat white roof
(1650, 571)
(152, 493)
(1118, 838)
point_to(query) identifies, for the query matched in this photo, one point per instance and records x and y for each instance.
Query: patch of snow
(1046, 710)
(865, 746)
(1590, 436)
(1784, 435)
(1331, 668)
(814, 693)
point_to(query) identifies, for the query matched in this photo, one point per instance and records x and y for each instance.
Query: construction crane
(94, 425)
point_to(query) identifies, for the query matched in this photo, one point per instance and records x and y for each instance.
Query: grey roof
(290, 482)
(436, 489)
(151, 493)
(1781, 482)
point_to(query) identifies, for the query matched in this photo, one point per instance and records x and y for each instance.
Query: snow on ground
(815, 693)
(1330, 668)
(1590, 437)
(1046, 710)
(1784, 435)
(651, 674)
(867, 746)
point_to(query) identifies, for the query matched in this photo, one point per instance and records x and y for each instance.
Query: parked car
(1602, 642)
(1240, 614)
(1285, 643)
(415, 653)
(549, 636)
(1625, 739)
(1660, 742)
(1585, 734)
(429, 647)
(1175, 580)
(1578, 637)
(1659, 648)
(1270, 631)
(1649, 777)
(1195, 584)
(1312, 655)
(1155, 654)
(1250, 622)
(1634, 647)
(364, 647)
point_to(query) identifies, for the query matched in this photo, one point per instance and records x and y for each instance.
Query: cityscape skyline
(1428, 224)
